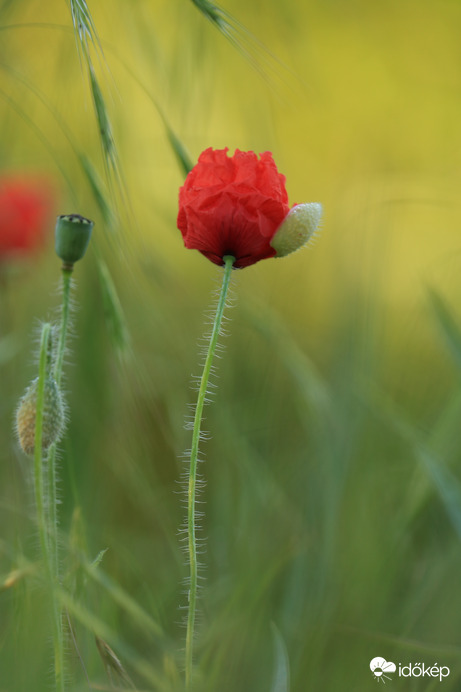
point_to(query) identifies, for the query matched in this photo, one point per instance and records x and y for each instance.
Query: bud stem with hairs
(38, 434)
(48, 549)
(52, 470)
(191, 491)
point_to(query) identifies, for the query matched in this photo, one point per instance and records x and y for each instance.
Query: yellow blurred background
(359, 103)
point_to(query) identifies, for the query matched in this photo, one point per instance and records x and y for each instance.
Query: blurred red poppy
(26, 207)
(232, 205)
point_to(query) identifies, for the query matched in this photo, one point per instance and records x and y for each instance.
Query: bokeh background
(333, 487)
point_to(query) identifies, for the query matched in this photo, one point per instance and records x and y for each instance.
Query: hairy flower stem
(191, 494)
(47, 541)
(66, 285)
(66, 272)
(38, 452)
(57, 374)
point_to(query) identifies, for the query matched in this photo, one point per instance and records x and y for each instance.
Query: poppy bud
(53, 416)
(297, 228)
(72, 236)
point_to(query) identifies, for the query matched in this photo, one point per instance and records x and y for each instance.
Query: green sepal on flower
(72, 236)
(53, 416)
(297, 228)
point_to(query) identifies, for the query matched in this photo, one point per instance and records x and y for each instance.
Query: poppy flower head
(25, 211)
(232, 205)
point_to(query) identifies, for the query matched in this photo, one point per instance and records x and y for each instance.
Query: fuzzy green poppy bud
(72, 236)
(53, 416)
(297, 228)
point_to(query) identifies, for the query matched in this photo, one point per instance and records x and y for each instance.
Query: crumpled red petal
(232, 205)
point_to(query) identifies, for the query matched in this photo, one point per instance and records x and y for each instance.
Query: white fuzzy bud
(297, 228)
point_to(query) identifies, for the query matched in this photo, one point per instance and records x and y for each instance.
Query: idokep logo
(380, 669)
(421, 670)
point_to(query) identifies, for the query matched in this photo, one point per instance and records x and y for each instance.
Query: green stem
(47, 542)
(52, 490)
(38, 452)
(57, 374)
(58, 642)
(191, 494)
(66, 284)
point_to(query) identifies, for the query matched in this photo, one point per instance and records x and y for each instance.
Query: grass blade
(105, 633)
(445, 483)
(281, 679)
(259, 57)
(85, 32)
(113, 311)
(124, 600)
(84, 26)
(179, 150)
(96, 187)
(448, 487)
(448, 325)
(104, 125)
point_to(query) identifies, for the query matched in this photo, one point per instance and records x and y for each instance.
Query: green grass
(333, 488)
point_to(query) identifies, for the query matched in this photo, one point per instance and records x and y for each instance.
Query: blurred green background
(333, 495)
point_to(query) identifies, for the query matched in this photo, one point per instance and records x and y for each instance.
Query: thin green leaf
(112, 663)
(10, 580)
(308, 379)
(261, 59)
(105, 128)
(445, 441)
(445, 436)
(113, 311)
(281, 676)
(98, 559)
(448, 487)
(212, 12)
(449, 326)
(179, 149)
(104, 632)
(446, 484)
(86, 34)
(124, 600)
(97, 190)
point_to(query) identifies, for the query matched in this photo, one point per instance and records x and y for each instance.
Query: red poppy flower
(25, 214)
(232, 206)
